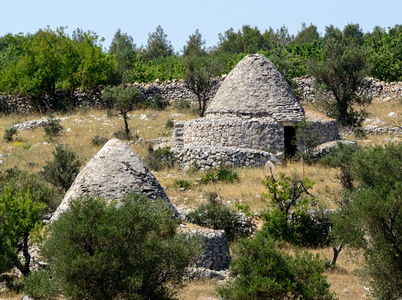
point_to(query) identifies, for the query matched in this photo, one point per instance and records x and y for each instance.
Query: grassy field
(31, 151)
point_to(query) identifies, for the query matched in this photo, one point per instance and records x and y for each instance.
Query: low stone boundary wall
(214, 157)
(325, 128)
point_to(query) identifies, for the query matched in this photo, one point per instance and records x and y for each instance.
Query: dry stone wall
(377, 89)
(325, 128)
(260, 134)
(214, 157)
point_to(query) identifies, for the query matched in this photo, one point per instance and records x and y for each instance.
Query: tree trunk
(27, 256)
(336, 253)
(127, 130)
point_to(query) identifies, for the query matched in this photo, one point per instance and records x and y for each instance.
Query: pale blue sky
(180, 18)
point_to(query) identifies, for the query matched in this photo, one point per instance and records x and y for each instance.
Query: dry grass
(201, 289)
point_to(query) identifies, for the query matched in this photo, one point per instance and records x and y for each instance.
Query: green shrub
(130, 251)
(158, 103)
(39, 286)
(290, 220)
(9, 134)
(19, 217)
(264, 272)
(41, 190)
(99, 140)
(222, 174)
(121, 134)
(160, 158)
(181, 183)
(209, 177)
(63, 169)
(182, 105)
(227, 175)
(216, 215)
(169, 124)
(53, 128)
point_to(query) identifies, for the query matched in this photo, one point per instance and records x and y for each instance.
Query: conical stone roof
(112, 173)
(255, 88)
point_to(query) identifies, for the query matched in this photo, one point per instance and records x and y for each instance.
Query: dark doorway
(290, 141)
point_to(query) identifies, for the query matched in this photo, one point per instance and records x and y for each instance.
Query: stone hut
(251, 121)
(112, 173)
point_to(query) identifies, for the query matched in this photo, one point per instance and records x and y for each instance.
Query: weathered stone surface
(326, 129)
(112, 173)
(216, 254)
(256, 88)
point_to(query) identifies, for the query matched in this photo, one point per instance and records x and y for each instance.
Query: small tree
(341, 74)
(53, 128)
(19, 216)
(123, 99)
(126, 252)
(198, 77)
(63, 169)
(289, 219)
(264, 272)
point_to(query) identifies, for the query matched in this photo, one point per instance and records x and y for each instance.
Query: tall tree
(157, 45)
(195, 45)
(307, 34)
(124, 50)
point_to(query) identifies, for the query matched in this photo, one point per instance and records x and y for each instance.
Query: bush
(19, 217)
(290, 219)
(99, 140)
(121, 134)
(41, 190)
(169, 124)
(222, 174)
(158, 103)
(215, 215)
(63, 169)
(264, 272)
(39, 286)
(53, 128)
(179, 183)
(9, 134)
(160, 158)
(126, 252)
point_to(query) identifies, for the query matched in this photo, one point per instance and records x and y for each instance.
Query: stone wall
(377, 89)
(260, 134)
(326, 128)
(214, 157)
(216, 254)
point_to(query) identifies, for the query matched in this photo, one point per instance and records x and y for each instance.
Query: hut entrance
(290, 141)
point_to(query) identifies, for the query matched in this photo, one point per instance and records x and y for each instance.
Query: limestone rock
(112, 173)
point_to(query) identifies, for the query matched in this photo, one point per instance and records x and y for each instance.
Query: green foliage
(221, 174)
(216, 215)
(289, 218)
(99, 140)
(63, 169)
(158, 45)
(386, 54)
(19, 216)
(169, 124)
(195, 45)
(198, 77)
(39, 286)
(124, 50)
(264, 272)
(9, 134)
(341, 74)
(341, 157)
(371, 217)
(123, 99)
(181, 183)
(40, 63)
(53, 128)
(126, 252)
(160, 158)
(40, 189)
